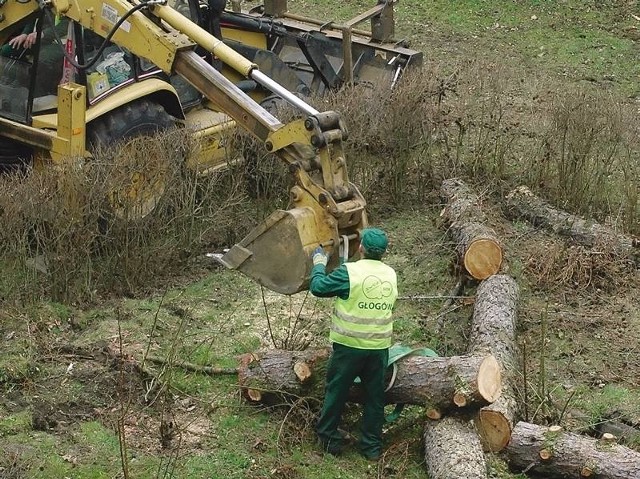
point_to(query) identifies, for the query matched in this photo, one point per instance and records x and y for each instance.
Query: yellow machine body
(160, 44)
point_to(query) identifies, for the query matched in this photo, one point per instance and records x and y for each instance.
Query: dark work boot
(336, 447)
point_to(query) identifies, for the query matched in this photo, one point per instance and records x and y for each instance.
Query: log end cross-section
(490, 379)
(494, 428)
(483, 258)
(489, 384)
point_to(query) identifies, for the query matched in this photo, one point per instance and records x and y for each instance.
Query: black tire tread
(139, 117)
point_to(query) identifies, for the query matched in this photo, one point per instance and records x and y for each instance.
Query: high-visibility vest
(364, 320)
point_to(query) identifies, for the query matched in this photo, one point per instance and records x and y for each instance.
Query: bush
(88, 226)
(79, 234)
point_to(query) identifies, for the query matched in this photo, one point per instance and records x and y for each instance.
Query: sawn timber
(439, 384)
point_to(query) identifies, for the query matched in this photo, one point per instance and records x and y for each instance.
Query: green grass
(565, 39)
(16, 367)
(606, 400)
(45, 456)
(14, 424)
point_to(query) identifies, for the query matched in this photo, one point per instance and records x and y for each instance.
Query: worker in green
(361, 330)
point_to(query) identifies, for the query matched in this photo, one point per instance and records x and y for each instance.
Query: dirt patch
(184, 430)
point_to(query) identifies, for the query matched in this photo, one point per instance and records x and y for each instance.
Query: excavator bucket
(277, 253)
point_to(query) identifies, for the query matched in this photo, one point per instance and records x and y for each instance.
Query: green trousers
(345, 365)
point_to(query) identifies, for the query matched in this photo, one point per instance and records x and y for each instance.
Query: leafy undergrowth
(76, 391)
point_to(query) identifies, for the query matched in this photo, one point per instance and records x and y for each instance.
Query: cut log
(493, 331)
(477, 246)
(493, 325)
(619, 427)
(270, 376)
(452, 449)
(522, 203)
(569, 455)
(495, 421)
(461, 204)
(439, 384)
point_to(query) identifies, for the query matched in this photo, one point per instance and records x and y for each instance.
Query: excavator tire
(145, 182)
(14, 156)
(263, 172)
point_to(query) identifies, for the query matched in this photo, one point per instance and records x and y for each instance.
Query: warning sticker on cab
(110, 14)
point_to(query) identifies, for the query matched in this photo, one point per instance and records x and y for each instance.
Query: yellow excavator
(96, 72)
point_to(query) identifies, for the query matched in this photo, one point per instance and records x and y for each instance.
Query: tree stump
(452, 449)
(477, 246)
(493, 331)
(522, 203)
(556, 454)
(439, 384)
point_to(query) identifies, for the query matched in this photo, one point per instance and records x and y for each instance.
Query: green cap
(375, 241)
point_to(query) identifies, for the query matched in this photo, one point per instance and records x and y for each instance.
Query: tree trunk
(556, 454)
(477, 247)
(493, 331)
(462, 204)
(522, 203)
(452, 449)
(622, 428)
(438, 384)
(441, 384)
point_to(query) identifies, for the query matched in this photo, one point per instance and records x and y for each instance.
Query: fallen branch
(435, 298)
(193, 367)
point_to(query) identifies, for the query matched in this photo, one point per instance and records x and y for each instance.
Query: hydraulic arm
(324, 205)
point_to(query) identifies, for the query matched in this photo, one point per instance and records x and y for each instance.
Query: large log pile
(493, 331)
(470, 401)
(477, 246)
(440, 384)
(522, 203)
(552, 453)
(452, 445)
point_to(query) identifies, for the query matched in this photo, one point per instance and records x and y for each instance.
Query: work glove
(319, 256)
